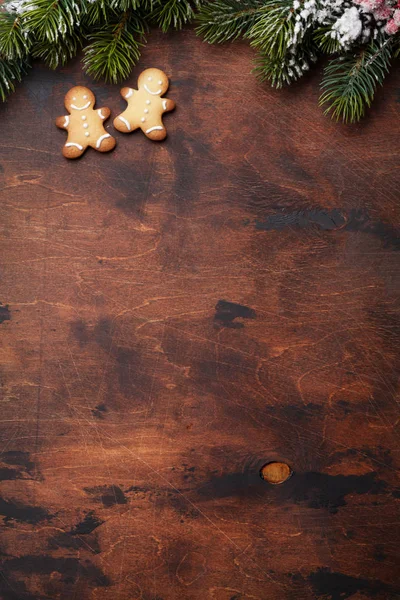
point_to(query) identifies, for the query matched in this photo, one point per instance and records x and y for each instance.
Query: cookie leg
(121, 123)
(72, 150)
(157, 133)
(105, 143)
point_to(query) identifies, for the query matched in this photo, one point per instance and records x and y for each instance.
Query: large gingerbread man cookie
(145, 105)
(84, 124)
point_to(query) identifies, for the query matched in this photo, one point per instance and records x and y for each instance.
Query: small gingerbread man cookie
(145, 105)
(84, 124)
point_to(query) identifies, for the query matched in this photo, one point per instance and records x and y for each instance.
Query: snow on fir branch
(360, 37)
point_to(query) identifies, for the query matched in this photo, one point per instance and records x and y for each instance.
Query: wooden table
(177, 315)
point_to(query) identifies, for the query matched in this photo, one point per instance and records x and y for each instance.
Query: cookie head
(154, 81)
(79, 98)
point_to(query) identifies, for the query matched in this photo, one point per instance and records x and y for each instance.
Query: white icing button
(85, 125)
(146, 110)
(87, 133)
(148, 102)
(143, 119)
(83, 118)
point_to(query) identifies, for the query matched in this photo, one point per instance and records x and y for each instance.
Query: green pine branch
(115, 47)
(57, 55)
(325, 42)
(14, 42)
(124, 5)
(170, 13)
(51, 20)
(227, 20)
(96, 13)
(10, 73)
(273, 28)
(349, 83)
(284, 70)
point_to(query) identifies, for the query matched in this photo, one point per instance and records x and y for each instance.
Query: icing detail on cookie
(87, 133)
(66, 122)
(83, 117)
(159, 127)
(73, 144)
(129, 94)
(164, 104)
(148, 102)
(81, 107)
(101, 114)
(101, 138)
(85, 125)
(126, 122)
(157, 93)
(143, 119)
(146, 110)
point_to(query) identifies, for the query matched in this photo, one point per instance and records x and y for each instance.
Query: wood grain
(177, 315)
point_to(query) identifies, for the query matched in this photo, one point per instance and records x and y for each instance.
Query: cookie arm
(63, 122)
(127, 92)
(167, 104)
(103, 113)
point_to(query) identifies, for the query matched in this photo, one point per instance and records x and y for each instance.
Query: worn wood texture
(177, 315)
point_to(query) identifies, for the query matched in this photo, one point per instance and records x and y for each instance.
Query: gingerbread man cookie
(84, 124)
(145, 105)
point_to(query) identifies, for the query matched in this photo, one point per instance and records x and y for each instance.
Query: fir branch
(10, 73)
(283, 70)
(14, 41)
(95, 13)
(57, 55)
(124, 5)
(350, 82)
(225, 20)
(325, 41)
(115, 48)
(273, 28)
(51, 19)
(170, 13)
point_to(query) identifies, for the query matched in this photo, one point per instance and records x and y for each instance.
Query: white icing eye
(149, 79)
(85, 97)
(160, 82)
(74, 98)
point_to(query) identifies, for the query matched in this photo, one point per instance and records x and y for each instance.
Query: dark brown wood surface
(177, 315)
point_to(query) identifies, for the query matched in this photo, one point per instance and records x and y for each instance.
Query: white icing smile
(81, 107)
(152, 93)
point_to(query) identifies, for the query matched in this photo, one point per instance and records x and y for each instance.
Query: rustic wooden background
(176, 315)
